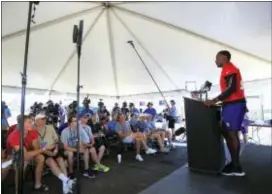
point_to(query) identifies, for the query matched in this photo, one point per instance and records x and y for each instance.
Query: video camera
(36, 108)
(52, 112)
(86, 102)
(100, 103)
(72, 108)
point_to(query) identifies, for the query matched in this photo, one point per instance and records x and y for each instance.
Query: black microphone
(131, 43)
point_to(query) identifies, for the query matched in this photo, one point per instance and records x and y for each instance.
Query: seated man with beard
(149, 133)
(30, 141)
(69, 139)
(53, 158)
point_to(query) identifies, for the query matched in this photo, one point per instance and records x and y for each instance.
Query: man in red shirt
(233, 109)
(30, 142)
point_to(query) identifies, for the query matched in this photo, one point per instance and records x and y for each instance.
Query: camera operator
(103, 113)
(72, 109)
(86, 106)
(116, 110)
(52, 112)
(132, 110)
(125, 110)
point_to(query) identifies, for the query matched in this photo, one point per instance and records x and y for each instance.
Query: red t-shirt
(11, 129)
(14, 139)
(227, 70)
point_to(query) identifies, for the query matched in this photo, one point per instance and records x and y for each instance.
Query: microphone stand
(132, 45)
(20, 178)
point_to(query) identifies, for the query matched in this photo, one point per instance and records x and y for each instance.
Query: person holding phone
(69, 138)
(96, 140)
(53, 158)
(30, 141)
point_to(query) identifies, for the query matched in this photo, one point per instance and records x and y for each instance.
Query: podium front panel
(204, 141)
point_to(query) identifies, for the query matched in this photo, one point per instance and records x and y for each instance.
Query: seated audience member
(53, 158)
(14, 127)
(150, 132)
(4, 156)
(125, 133)
(94, 141)
(111, 124)
(163, 132)
(62, 127)
(69, 139)
(30, 141)
(5, 114)
(133, 123)
(150, 110)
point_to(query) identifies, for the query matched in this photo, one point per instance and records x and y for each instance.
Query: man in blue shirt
(150, 110)
(5, 114)
(69, 140)
(172, 116)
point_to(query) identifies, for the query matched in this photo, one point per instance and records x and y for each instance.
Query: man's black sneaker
(89, 174)
(227, 170)
(72, 176)
(238, 171)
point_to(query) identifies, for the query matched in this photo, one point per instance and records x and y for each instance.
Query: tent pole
(112, 52)
(20, 178)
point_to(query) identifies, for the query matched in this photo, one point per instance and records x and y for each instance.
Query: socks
(64, 178)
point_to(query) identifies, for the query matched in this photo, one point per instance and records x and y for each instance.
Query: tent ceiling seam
(50, 23)
(177, 28)
(75, 50)
(143, 47)
(112, 52)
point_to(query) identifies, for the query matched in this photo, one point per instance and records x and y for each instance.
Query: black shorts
(59, 154)
(99, 141)
(171, 123)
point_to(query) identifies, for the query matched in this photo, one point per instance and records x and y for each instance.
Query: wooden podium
(205, 147)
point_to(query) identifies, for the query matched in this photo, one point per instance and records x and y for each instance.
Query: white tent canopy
(177, 40)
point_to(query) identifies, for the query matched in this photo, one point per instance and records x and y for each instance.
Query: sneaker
(139, 158)
(88, 174)
(67, 187)
(71, 183)
(150, 151)
(164, 150)
(172, 146)
(103, 168)
(227, 170)
(96, 167)
(238, 171)
(72, 176)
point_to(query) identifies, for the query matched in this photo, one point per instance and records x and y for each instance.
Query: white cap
(40, 116)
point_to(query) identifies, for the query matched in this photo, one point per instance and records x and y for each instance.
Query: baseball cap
(40, 116)
(84, 114)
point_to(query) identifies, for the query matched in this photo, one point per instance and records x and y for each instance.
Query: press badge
(43, 144)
